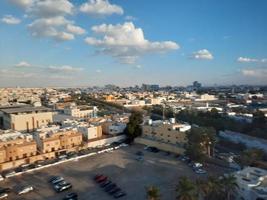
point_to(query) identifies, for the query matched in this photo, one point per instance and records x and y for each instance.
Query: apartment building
(168, 131)
(60, 140)
(17, 149)
(166, 135)
(25, 118)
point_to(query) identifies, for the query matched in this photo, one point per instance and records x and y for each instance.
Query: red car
(101, 179)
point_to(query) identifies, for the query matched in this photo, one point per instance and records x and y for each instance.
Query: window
(24, 155)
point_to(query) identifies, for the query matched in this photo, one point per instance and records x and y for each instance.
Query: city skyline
(97, 42)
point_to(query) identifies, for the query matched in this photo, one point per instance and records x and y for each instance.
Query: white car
(3, 196)
(124, 145)
(201, 171)
(197, 165)
(1, 178)
(9, 174)
(25, 189)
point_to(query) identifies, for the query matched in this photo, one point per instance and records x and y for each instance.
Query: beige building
(165, 135)
(17, 149)
(25, 118)
(61, 140)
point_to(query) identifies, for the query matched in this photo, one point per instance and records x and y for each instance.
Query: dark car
(114, 190)
(119, 194)
(71, 196)
(110, 187)
(139, 153)
(105, 183)
(154, 149)
(5, 190)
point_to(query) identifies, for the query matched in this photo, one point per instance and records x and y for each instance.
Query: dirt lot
(120, 166)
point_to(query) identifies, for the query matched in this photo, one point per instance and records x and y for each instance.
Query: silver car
(25, 189)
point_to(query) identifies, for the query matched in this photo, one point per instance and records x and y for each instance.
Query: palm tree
(186, 189)
(229, 185)
(212, 188)
(153, 193)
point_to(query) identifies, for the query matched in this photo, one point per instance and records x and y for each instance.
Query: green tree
(153, 193)
(250, 157)
(201, 141)
(133, 128)
(186, 189)
(229, 186)
(212, 189)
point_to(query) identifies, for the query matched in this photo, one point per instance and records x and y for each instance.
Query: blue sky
(96, 42)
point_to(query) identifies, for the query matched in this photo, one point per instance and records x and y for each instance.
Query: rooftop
(24, 109)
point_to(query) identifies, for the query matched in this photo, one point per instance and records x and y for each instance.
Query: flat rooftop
(24, 109)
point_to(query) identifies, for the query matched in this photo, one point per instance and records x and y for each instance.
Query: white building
(90, 131)
(206, 97)
(81, 111)
(252, 184)
(116, 128)
(6, 135)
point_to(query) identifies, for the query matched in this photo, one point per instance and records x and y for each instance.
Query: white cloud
(126, 42)
(9, 19)
(256, 73)
(49, 18)
(22, 3)
(75, 29)
(23, 64)
(202, 54)
(98, 71)
(248, 60)
(51, 27)
(50, 8)
(130, 18)
(100, 8)
(63, 69)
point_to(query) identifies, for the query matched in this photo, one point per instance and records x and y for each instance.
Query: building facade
(25, 118)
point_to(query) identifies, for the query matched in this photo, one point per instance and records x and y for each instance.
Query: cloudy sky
(128, 42)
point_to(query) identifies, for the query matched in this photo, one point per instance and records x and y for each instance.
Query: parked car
(110, 187)
(25, 189)
(62, 186)
(197, 165)
(72, 155)
(1, 178)
(9, 173)
(62, 157)
(102, 179)
(5, 190)
(140, 158)
(105, 183)
(71, 196)
(114, 190)
(98, 176)
(57, 180)
(200, 171)
(139, 153)
(3, 196)
(119, 194)
(152, 149)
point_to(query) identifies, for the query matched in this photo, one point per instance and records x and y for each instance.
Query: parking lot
(121, 166)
